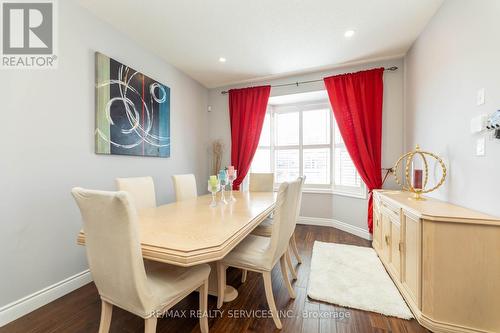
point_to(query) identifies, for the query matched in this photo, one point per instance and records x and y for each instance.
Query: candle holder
(223, 182)
(213, 188)
(231, 178)
(417, 183)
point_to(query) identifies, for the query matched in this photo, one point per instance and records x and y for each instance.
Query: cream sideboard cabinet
(444, 259)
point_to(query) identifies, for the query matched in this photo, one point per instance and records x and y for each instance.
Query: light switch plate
(480, 97)
(480, 146)
(477, 124)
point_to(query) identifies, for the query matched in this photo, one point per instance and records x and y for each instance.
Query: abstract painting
(132, 111)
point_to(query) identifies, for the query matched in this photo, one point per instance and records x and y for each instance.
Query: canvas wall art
(132, 111)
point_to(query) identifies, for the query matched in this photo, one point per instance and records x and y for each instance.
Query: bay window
(301, 138)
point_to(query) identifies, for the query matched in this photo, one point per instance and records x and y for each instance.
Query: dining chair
(185, 187)
(265, 229)
(123, 279)
(261, 182)
(142, 189)
(260, 254)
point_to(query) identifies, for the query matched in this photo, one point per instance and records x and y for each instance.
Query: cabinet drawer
(393, 211)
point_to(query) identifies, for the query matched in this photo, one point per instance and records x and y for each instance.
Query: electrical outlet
(480, 97)
(480, 146)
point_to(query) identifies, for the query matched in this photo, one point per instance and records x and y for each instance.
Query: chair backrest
(261, 182)
(299, 200)
(285, 217)
(142, 189)
(185, 187)
(113, 248)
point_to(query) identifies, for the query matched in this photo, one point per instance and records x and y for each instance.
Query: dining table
(191, 232)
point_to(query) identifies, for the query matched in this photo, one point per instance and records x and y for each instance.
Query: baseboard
(360, 232)
(25, 305)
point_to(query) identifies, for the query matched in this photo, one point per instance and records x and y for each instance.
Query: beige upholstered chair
(119, 272)
(265, 229)
(261, 182)
(264, 182)
(142, 189)
(260, 254)
(185, 187)
(293, 245)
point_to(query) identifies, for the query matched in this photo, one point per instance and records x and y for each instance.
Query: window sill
(330, 191)
(335, 192)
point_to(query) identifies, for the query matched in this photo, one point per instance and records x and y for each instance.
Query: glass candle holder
(231, 177)
(223, 182)
(417, 173)
(213, 187)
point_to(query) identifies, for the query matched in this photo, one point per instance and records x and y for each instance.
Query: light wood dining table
(190, 232)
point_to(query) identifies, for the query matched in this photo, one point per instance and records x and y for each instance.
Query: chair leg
(221, 283)
(284, 273)
(295, 249)
(268, 286)
(106, 312)
(290, 265)
(150, 324)
(204, 307)
(244, 273)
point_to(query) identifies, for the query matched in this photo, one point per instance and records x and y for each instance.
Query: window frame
(302, 107)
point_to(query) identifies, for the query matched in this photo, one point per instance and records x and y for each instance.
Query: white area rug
(354, 277)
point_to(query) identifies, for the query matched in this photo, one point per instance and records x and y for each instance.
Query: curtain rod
(392, 68)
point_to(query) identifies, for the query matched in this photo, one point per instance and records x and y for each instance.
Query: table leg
(230, 293)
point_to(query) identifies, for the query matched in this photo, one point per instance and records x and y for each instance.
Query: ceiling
(266, 38)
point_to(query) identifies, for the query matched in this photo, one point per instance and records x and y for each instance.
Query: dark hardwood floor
(79, 311)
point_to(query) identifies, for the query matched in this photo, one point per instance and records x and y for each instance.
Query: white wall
(457, 54)
(345, 209)
(48, 147)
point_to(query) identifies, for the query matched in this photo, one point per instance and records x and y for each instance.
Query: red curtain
(247, 110)
(356, 100)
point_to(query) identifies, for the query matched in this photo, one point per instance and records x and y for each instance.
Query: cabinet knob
(401, 246)
(387, 239)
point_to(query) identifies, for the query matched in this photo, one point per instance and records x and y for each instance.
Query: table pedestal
(230, 292)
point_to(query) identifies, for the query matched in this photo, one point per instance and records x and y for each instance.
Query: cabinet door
(377, 230)
(395, 245)
(386, 237)
(411, 278)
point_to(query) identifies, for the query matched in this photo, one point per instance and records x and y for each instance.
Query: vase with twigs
(217, 152)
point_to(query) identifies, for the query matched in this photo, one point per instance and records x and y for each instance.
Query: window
(302, 138)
